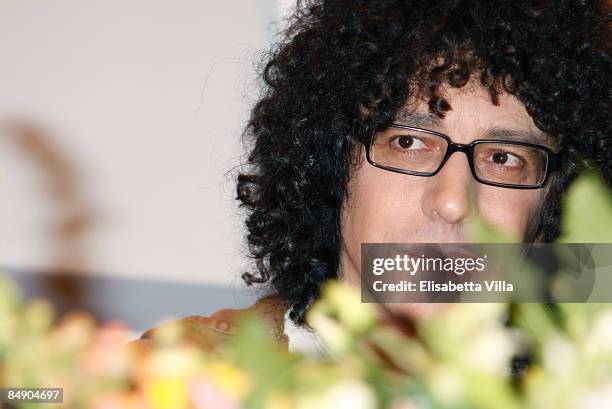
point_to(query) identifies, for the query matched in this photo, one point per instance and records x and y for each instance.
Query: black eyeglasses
(421, 152)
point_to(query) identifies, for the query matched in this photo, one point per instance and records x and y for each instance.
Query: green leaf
(587, 212)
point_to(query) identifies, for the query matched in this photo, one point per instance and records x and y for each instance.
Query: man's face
(388, 207)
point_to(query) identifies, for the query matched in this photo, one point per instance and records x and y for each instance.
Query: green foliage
(587, 213)
(459, 358)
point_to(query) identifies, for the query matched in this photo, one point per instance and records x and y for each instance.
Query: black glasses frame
(552, 159)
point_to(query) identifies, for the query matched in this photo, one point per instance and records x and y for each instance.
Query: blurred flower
(600, 338)
(336, 338)
(491, 351)
(107, 354)
(598, 398)
(166, 392)
(205, 395)
(169, 332)
(447, 385)
(229, 379)
(459, 358)
(164, 376)
(38, 315)
(344, 394)
(75, 331)
(120, 400)
(559, 357)
(345, 302)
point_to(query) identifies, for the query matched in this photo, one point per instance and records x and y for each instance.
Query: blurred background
(120, 128)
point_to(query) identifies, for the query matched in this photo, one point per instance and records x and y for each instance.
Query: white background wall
(118, 122)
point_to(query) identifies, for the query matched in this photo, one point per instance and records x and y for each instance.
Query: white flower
(559, 356)
(491, 351)
(345, 394)
(598, 398)
(600, 339)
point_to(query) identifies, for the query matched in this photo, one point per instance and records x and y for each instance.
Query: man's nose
(449, 194)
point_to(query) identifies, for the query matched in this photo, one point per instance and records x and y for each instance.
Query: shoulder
(209, 332)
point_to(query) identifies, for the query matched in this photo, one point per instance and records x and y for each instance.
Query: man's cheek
(511, 214)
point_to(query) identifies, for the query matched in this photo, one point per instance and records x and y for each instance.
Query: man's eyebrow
(517, 135)
(418, 119)
(430, 120)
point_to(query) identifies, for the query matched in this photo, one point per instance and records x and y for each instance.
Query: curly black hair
(343, 68)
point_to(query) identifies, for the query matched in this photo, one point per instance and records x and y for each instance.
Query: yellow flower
(229, 379)
(167, 392)
(165, 374)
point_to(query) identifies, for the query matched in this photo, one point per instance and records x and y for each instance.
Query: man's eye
(506, 159)
(408, 142)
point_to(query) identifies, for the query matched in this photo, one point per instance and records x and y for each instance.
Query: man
(371, 130)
